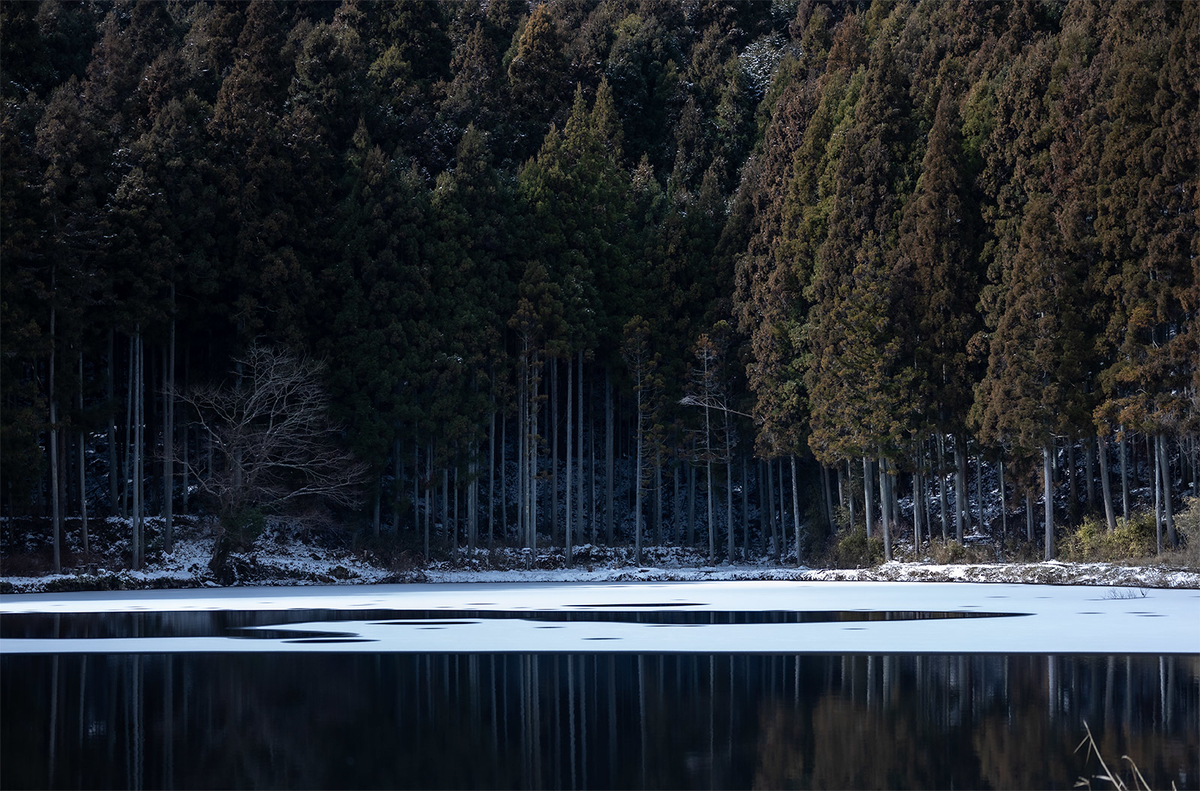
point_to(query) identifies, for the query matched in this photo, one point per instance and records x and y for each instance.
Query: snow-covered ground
(1047, 619)
(278, 559)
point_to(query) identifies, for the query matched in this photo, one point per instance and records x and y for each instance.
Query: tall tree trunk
(1003, 501)
(979, 488)
(582, 487)
(961, 509)
(567, 529)
(637, 485)
(885, 495)
(1047, 479)
(1028, 517)
(729, 504)
(1072, 482)
(849, 491)
(676, 531)
(554, 449)
(139, 477)
(941, 467)
(745, 507)
(1124, 476)
(1158, 510)
(827, 498)
(712, 523)
(591, 479)
(868, 496)
(491, 511)
(1089, 463)
(114, 507)
(1168, 512)
(795, 510)
(503, 475)
(533, 460)
(918, 506)
(127, 470)
(428, 496)
(398, 481)
(56, 504)
(447, 526)
(841, 489)
(608, 458)
(83, 504)
(168, 436)
(1106, 485)
(376, 507)
(523, 457)
(658, 497)
(783, 520)
(776, 549)
(691, 507)
(453, 521)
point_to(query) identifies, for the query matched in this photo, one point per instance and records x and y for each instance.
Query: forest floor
(330, 558)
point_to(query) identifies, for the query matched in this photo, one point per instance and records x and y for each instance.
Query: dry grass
(1108, 775)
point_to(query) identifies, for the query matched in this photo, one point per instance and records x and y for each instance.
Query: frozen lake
(651, 685)
(859, 617)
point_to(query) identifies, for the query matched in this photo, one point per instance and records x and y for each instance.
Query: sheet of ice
(1056, 619)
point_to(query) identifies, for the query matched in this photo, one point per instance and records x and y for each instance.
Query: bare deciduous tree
(274, 444)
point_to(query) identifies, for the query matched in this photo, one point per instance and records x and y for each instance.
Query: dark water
(246, 624)
(325, 720)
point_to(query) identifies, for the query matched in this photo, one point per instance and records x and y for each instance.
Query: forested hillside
(627, 271)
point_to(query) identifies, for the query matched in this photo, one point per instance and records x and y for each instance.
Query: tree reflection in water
(590, 721)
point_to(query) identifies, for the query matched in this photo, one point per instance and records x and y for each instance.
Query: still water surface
(575, 720)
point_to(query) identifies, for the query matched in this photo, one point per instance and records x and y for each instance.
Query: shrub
(1093, 541)
(852, 549)
(954, 551)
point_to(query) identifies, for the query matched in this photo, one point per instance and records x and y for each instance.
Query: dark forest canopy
(905, 240)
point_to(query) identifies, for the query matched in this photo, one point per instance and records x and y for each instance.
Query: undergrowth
(1093, 541)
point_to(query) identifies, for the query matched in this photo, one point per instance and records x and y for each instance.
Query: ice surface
(1058, 619)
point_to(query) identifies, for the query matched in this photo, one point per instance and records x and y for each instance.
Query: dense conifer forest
(459, 274)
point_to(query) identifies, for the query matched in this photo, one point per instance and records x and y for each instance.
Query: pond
(218, 695)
